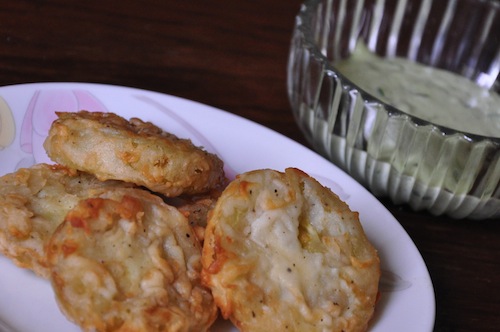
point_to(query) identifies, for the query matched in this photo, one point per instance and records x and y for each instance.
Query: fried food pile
(97, 224)
(138, 230)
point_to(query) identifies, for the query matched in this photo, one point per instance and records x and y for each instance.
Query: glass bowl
(409, 159)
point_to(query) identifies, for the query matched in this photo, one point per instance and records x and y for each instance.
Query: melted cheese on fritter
(126, 261)
(283, 251)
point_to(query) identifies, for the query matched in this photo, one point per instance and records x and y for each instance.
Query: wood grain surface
(231, 55)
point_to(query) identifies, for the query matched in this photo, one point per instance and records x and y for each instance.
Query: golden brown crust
(126, 261)
(283, 253)
(196, 209)
(33, 202)
(111, 147)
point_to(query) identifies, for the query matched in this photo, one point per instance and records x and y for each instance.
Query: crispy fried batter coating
(111, 147)
(33, 202)
(283, 253)
(126, 261)
(196, 209)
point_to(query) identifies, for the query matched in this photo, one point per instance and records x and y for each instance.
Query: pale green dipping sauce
(434, 95)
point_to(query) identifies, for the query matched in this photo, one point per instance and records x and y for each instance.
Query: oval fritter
(111, 147)
(33, 202)
(126, 261)
(283, 253)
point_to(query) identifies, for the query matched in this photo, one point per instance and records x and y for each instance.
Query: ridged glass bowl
(428, 166)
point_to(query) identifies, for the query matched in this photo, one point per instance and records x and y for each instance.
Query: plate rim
(431, 300)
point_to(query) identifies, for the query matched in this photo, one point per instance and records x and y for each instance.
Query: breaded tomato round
(126, 261)
(284, 253)
(33, 202)
(111, 147)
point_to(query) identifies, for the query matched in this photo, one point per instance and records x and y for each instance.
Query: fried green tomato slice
(135, 151)
(126, 261)
(284, 253)
(33, 202)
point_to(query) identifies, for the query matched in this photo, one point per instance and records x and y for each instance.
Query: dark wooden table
(231, 55)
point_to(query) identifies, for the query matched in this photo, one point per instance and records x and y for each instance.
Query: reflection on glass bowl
(393, 152)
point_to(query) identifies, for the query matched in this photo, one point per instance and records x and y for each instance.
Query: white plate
(26, 111)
